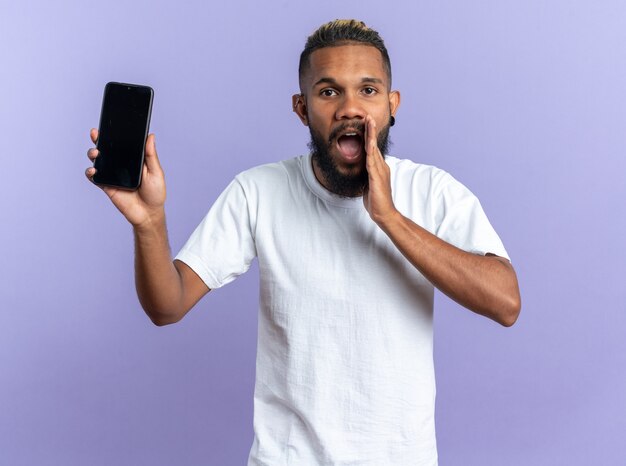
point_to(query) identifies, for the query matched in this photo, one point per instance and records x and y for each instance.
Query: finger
(93, 153)
(371, 141)
(93, 134)
(371, 135)
(152, 159)
(89, 173)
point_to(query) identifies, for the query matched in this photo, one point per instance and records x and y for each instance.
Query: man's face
(341, 87)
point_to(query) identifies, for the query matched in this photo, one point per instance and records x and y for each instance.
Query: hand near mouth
(377, 195)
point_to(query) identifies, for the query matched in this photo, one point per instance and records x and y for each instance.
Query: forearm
(158, 283)
(486, 285)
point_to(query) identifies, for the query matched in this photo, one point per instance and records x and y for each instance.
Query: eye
(328, 92)
(369, 91)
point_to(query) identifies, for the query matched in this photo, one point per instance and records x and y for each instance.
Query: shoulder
(271, 181)
(406, 173)
(270, 173)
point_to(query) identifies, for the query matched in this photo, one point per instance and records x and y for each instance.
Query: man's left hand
(377, 196)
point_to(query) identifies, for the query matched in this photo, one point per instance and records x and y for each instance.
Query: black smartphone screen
(124, 125)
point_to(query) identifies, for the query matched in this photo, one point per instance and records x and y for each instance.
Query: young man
(349, 244)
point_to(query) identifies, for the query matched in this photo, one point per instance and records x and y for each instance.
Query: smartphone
(124, 125)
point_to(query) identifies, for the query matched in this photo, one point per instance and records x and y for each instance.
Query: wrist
(154, 220)
(388, 221)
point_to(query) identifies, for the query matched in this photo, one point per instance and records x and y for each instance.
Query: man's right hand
(145, 205)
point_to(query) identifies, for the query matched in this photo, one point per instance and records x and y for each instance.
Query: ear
(298, 105)
(394, 102)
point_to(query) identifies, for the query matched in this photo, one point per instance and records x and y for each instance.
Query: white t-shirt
(344, 369)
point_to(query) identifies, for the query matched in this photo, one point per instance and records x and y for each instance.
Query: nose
(349, 108)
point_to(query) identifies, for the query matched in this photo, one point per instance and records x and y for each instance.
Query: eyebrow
(364, 80)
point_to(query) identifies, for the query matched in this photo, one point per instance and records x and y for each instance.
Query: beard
(350, 184)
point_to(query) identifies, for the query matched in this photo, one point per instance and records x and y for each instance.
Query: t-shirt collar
(306, 166)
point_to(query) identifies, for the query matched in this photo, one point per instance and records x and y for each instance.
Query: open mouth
(350, 145)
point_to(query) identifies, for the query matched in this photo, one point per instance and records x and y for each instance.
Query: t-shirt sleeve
(222, 247)
(462, 221)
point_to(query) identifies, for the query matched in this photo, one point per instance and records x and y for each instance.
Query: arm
(486, 285)
(167, 290)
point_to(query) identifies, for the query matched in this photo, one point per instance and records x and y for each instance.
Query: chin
(353, 170)
(355, 166)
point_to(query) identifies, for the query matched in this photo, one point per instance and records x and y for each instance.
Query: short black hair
(343, 32)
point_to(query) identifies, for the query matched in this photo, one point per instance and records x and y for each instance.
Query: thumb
(152, 159)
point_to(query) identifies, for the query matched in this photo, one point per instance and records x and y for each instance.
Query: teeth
(350, 134)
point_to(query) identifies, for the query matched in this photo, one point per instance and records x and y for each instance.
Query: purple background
(524, 102)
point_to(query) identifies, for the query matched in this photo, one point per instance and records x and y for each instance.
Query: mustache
(357, 125)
